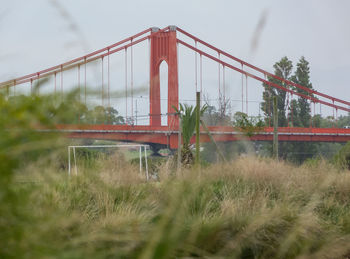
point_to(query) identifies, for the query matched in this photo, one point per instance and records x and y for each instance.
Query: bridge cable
(62, 80)
(201, 79)
(85, 80)
(333, 113)
(310, 114)
(292, 108)
(109, 80)
(269, 100)
(314, 112)
(266, 96)
(223, 85)
(195, 67)
(242, 90)
(288, 106)
(79, 92)
(102, 90)
(132, 81)
(31, 84)
(79, 83)
(336, 117)
(219, 76)
(246, 94)
(126, 86)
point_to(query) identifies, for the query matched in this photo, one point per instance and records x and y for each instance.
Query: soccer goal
(142, 152)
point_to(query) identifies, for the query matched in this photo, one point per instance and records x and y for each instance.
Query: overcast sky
(36, 34)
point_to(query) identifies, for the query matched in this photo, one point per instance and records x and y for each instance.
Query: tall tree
(283, 69)
(302, 77)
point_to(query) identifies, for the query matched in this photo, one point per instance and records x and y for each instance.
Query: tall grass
(248, 208)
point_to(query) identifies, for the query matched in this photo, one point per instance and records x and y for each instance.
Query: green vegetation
(187, 115)
(342, 158)
(250, 207)
(243, 209)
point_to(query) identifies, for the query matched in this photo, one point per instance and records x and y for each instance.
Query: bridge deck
(166, 136)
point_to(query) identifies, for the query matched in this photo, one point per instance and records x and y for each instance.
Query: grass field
(248, 208)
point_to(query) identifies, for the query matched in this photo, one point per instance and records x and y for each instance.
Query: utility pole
(198, 108)
(275, 128)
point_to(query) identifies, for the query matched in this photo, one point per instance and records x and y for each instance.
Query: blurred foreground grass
(247, 208)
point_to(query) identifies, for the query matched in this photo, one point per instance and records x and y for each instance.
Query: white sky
(35, 34)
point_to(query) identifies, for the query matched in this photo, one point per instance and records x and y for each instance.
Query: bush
(342, 158)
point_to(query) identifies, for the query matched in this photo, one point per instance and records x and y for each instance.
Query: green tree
(113, 117)
(283, 69)
(302, 77)
(188, 118)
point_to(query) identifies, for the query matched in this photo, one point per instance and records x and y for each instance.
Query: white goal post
(73, 148)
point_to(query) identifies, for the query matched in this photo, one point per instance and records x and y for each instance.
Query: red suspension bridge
(163, 45)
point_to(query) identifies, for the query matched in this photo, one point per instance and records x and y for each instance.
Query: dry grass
(248, 208)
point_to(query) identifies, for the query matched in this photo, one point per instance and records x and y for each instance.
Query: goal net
(141, 148)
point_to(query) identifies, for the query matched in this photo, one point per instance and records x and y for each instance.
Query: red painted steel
(163, 48)
(261, 70)
(262, 79)
(168, 136)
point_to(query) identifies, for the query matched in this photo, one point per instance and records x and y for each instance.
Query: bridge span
(163, 135)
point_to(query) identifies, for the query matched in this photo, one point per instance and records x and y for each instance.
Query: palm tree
(187, 115)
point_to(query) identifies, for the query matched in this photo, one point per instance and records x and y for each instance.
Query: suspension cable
(201, 78)
(102, 90)
(333, 113)
(109, 81)
(336, 117)
(242, 88)
(31, 84)
(310, 114)
(219, 76)
(223, 84)
(288, 107)
(292, 108)
(126, 86)
(85, 80)
(61, 80)
(132, 81)
(79, 82)
(246, 94)
(314, 113)
(38, 83)
(195, 67)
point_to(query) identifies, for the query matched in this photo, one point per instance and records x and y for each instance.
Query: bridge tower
(163, 48)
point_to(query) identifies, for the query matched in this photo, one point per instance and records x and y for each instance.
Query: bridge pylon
(163, 48)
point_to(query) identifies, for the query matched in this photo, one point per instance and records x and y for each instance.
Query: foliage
(188, 115)
(302, 77)
(248, 208)
(283, 69)
(217, 116)
(248, 125)
(342, 158)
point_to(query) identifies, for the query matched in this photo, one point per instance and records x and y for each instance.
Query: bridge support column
(163, 48)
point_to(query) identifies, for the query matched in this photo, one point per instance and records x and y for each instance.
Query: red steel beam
(261, 70)
(262, 79)
(164, 135)
(83, 59)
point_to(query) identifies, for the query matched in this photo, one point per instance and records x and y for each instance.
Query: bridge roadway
(168, 137)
